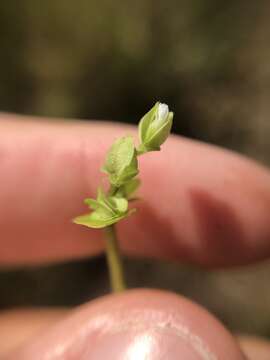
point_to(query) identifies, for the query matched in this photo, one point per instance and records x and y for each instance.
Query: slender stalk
(114, 260)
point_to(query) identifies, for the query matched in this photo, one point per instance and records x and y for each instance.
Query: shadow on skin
(220, 232)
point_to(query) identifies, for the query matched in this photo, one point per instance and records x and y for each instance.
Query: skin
(212, 209)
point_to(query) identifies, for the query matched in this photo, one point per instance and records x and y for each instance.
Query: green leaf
(93, 204)
(101, 218)
(101, 196)
(128, 189)
(131, 187)
(104, 201)
(121, 162)
(97, 219)
(154, 128)
(107, 211)
(120, 204)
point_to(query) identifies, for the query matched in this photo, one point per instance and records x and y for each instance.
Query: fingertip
(138, 324)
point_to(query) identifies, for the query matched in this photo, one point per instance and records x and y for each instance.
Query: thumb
(138, 324)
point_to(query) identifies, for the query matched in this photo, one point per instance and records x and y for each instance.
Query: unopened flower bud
(155, 127)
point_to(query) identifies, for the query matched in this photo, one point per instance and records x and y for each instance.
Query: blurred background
(208, 59)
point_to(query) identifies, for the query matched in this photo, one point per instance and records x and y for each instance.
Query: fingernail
(147, 343)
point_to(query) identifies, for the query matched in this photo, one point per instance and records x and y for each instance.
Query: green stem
(114, 260)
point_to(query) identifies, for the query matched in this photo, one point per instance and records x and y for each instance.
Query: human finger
(19, 325)
(199, 203)
(255, 348)
(137, 324)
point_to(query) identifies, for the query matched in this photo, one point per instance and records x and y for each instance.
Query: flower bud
(155, 127)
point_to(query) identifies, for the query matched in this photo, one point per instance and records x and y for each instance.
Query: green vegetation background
(110, 60)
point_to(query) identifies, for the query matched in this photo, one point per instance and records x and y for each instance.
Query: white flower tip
(163, 111)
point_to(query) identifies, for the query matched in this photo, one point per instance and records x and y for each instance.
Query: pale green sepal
(159, 133)
(146, 121)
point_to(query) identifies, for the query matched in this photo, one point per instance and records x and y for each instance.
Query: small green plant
(121, 167)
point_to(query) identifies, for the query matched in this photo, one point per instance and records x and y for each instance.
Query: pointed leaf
(98, 219)
(120, 204)
(93, 204)
(129, 188)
